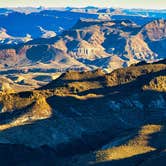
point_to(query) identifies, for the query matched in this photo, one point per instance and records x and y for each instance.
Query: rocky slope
(87, 118)
(8, 39)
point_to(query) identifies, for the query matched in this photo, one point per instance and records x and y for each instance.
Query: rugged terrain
(88, 118)
(91, 43)
(33, 21)
(82, 86)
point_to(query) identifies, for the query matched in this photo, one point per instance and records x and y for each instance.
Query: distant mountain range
(20, 22)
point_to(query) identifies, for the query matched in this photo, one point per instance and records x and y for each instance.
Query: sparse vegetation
(137, 145)
(157, 84)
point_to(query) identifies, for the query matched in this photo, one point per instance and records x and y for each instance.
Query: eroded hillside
(90, 118)
(90, 44)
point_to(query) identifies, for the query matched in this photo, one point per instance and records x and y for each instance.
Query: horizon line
(82, 7)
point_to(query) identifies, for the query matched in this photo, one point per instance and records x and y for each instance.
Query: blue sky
(150, 4)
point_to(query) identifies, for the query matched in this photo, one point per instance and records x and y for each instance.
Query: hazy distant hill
(146, 13)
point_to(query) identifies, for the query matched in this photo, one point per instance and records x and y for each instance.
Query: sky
(148, 4)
